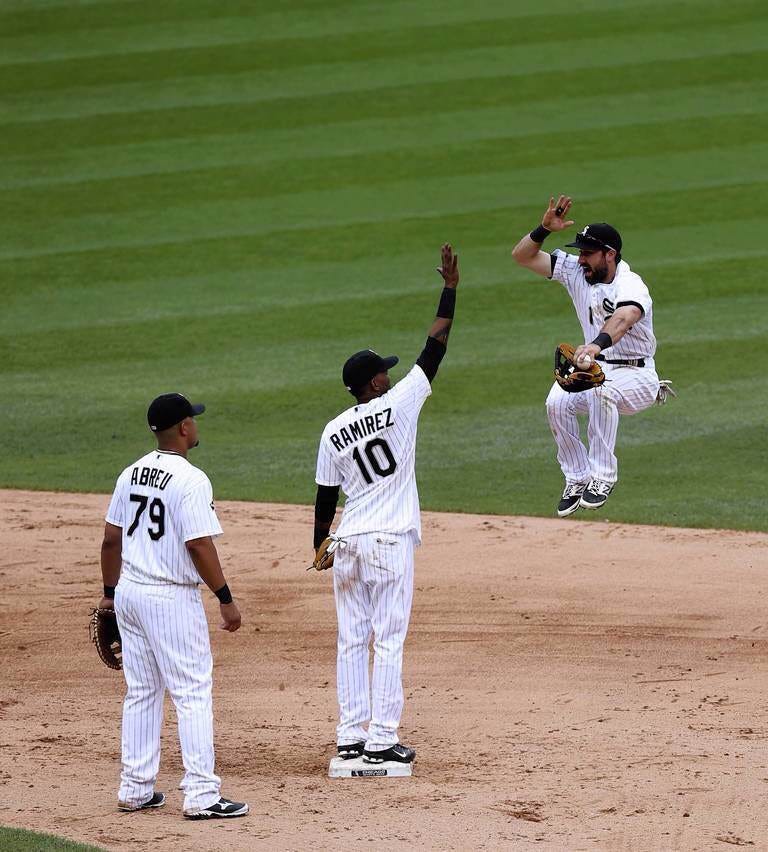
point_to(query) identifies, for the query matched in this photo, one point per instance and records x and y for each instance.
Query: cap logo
(585, 232)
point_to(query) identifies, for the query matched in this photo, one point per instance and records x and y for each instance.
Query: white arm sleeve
(631, 290)
(411, 392)
(116, 512)
(198, 517)
(327, 473)
(566, 269)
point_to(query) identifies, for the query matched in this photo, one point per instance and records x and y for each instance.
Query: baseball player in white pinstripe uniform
(615, 310)
(158, 543)
(369, 451)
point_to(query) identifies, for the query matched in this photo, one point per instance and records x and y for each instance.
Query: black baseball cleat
(595, 494)
(157, 801)
(350, 751)
(396, 753)
(569, 502)
(223, 809)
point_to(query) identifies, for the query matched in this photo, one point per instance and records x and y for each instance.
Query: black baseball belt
(628, 362)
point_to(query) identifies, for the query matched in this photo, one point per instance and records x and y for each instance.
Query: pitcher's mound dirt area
(568, 686)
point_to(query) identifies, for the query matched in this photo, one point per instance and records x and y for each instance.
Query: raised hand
(554, 216)
(450, 268)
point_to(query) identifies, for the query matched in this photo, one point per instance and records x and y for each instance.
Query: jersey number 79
(156, 515)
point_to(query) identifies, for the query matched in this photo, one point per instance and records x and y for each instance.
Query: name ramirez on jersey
(161, 502)
(357, 429)
(370, 451)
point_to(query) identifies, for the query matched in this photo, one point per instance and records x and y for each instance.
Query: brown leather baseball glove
(572, 378)
(325, 554)
(105, 635)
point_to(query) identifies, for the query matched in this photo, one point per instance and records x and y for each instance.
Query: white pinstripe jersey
(161, 502)
(370, 451)
(595, 303)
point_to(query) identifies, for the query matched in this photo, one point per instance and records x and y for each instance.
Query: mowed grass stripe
(236, 335)
(68, 22)
(118, 29)
(484, 346)
(662, 31)
(440, 127)
(348, 209)
(330, 142)
(414, 99)
(687, 279)
(430, 65)
(371, 250)
(241, 182)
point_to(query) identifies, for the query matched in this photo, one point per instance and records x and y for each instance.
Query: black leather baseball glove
(105, 635)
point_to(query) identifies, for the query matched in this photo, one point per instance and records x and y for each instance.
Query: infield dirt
(568, 686)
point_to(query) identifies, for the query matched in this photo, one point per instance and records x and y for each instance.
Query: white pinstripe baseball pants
(627, 390)
(373, 587)
(166, 646)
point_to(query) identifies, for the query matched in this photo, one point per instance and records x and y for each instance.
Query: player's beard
(597, 275)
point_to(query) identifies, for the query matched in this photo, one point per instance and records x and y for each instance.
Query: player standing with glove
(369, 451)
(158, 543)
(615, 310)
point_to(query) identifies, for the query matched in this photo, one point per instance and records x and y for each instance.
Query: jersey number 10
(374, 459)
(156, 515)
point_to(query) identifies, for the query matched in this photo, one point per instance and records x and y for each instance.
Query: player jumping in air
(615, 310)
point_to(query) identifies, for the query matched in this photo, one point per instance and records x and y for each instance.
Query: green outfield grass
(19, 840)
(228, 200)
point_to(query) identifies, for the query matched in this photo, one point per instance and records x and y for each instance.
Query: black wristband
(447, 303)
(109, 592)
(603, 340)
(538, 235)
(223, 594)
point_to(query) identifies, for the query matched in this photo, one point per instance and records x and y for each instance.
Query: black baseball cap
(363, 366)
(169, 409)
(598, 235)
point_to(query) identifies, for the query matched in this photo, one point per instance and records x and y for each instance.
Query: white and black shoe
(595, 494)
(157, 801)
(396, 753)
(350, 751)
(569, 502)
(223, 809)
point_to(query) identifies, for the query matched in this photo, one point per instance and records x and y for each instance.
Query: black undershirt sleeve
(430, 357)
(554, 264)
(325, 508)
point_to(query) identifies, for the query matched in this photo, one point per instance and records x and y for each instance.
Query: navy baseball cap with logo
(363, 366)
(168, 409)
(598, 235)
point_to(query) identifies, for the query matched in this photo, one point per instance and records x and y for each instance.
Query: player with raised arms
(369, 451)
